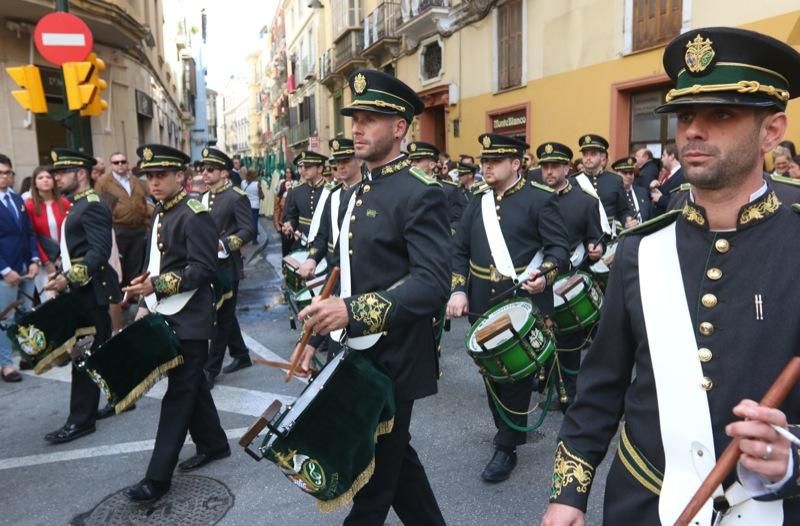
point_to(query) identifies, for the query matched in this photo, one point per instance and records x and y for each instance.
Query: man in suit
(19, 257)
(661, 192)
(230, 209)
(636, 195)
(185, 261)
(648, 168)
(86, 272)
(395, 263)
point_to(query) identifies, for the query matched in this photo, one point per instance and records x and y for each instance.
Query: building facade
(143, 76)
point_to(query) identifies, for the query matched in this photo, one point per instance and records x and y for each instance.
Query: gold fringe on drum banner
(145, 385)
(47, 363)
(327, 506)
(225, 297)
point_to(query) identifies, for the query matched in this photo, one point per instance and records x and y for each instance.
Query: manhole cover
(193, 501)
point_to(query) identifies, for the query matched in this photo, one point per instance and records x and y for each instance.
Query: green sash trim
(145, 385)
(47, 363)
(637, 465)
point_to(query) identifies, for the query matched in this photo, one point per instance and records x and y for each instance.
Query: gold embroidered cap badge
(699, 54)
(54, 156)
(587, 140)
(360, 83)
(147, 154)
(335, 144)
(413, 147)
(205, 152)
(487, 141)
(548, 148)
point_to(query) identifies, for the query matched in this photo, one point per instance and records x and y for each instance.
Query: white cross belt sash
(221, 253)
(684, 414)
(497, 244)
(335, 200)
(358, 343)
(316, 218)
(587, 187)
(66, 262)
(171, 304)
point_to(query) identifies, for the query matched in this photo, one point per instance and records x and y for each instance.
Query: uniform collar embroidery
(565, 190)
(391, 168)
(752, 213)
(516, 188)
(222, 188)
(174, 200)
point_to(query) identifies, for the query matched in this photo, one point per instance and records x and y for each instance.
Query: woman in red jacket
(46, 210)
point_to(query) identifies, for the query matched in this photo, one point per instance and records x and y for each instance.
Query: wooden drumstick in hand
(333, 277)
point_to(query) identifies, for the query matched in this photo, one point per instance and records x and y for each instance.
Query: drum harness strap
(317, 216)
(587, 187)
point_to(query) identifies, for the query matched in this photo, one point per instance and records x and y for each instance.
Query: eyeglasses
(6, 173)
(119, 162)
(209, 168)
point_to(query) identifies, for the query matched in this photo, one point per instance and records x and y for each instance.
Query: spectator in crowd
(197, 186)
(661, 190)
(789, 145)
(280, 202)
(130, 212)
(46, 210)
(19, 258)
(781, 158)
(794, 167)
(577, 165)
(252, 188)
(98, 171)
(234, 175)
(25, 188)
(647, 168)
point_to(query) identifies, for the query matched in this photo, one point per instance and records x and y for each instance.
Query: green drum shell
(513, 360)
(582, 311)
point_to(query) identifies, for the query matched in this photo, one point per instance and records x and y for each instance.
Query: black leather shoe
(209, 380)
(201, 459)
(68, 433)
(236, 364)
(109, 410)
(500, 467)
(147, 490)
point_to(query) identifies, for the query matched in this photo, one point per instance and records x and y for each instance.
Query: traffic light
(80, 90)
(31, 96)
(96, 105)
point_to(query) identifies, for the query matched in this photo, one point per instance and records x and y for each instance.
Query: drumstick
(532, 277)
(272, 363)
(333, 277)
(11, 306)
(727, 461)
(476, 315)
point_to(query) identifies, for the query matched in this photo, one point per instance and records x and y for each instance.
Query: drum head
(322, 267)
(600, 267)
(572, 293)
(303, 295)
(299, 255)
(521, 314)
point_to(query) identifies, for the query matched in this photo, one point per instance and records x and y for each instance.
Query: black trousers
(517, 397)
(187, 406)
(286, 244)
(229, 335)
(84, 393)
(571, 358)
(399, 481)
(130, 243)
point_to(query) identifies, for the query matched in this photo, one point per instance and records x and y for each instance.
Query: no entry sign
(62, 37)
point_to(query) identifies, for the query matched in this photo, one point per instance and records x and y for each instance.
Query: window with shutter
(509, 44)
(655, 22)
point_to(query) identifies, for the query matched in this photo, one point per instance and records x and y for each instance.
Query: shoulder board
(682, 188)
(784, 179)
(449, 181)
(196, 206)
(653, 225)
(541, 186)
(332, 186)
(422, 176)
(93, 198)
(796, 207)
(239, 190)
(298, 185)
(479, 189)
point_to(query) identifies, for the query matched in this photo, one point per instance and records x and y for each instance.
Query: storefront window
(649, 129)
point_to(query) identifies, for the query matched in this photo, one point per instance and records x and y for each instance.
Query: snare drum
(134, 360)
(299, 300)
(577, 300)
(291, 264)
(517, 352)
(602, 267)
(324, 443)
(46, 334)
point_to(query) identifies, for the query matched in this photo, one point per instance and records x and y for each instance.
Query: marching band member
(524, 220)
(693, 297)
(303, 198)
(181, 261)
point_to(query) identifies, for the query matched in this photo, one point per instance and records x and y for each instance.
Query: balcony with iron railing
(347, 53)
(418, 17)
(380, 30)
(299, 132)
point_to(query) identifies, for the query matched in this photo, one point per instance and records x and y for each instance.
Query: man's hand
(630, 222)
(140, 285)
(287, 229)
(33, 269)
(57, 283)
(764, 451)
(50, 268)
(12, 278)
(563, 515)
(655, 195)
(535, 284)
(304, 369)
(324, 316)
(458, 305)
(307, 269)
(595, 251)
